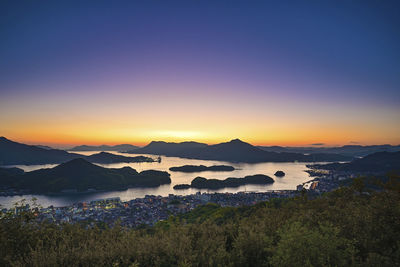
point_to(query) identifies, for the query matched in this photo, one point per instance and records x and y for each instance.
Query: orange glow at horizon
(65, 120)
(62, 138)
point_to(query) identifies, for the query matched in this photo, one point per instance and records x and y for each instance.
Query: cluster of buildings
(143, 211)
(326, 181)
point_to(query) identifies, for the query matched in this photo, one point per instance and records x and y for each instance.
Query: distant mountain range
(349, 150)
(13, 153)
(118, 148)
(233, 151)
(80, 175)
(376, 162)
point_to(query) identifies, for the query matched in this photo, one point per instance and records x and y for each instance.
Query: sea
(295, 175)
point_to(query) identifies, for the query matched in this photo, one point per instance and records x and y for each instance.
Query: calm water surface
(295, 174)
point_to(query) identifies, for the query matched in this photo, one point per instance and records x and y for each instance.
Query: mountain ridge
(14, 153)
(232, 151)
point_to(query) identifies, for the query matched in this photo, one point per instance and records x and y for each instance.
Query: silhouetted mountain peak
(104, 153)
(157, 142)
(78, 163)
(3, 139)
(237, 141)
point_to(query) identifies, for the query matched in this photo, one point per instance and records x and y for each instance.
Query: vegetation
(342, 228)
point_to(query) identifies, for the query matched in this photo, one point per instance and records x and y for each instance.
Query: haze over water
(295, 174)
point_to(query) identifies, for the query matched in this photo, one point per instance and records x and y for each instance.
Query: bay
(295, 175)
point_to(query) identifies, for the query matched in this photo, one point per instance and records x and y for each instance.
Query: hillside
(81, 175)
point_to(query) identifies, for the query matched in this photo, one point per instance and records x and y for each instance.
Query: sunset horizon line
(67, 145)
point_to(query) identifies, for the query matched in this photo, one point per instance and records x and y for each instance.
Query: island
(182, 186)
(279, 174)
(107, 158)
(79, 175)
(204, 183)
(202, 168)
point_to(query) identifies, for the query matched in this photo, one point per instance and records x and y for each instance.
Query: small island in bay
(202, 168)
(279, 174)
(182, 186)
(204, 183)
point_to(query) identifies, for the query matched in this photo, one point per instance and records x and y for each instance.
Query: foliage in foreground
(342, 228)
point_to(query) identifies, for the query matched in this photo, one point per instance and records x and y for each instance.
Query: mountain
(233, 151)
(168, 148)
(348, 150)
(118, 148)
(81, 175)
(376, 162)
(106, 158)
(12, 153)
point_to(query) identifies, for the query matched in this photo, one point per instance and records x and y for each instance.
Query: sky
(288, 73)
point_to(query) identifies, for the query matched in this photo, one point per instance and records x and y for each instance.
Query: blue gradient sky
(269, 72)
